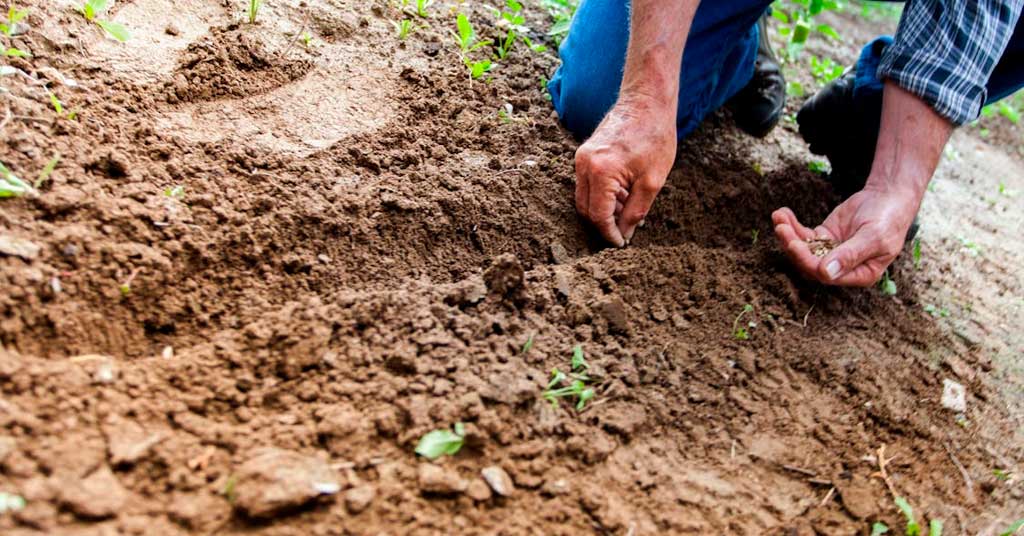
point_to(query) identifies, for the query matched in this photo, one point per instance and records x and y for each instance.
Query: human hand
(622, 167)
(870, 228)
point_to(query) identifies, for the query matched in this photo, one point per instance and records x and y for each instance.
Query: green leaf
(801, 30)
(14, 15)
(1013, 529)
(11, 185)
(829, 31)
(437, 443)
(935, 528)
(44, 175)
(15, 53)
(115, 30)
(879, 528)
(57, 106)
(913, 529)
(584, 396)
(917, 253)
(578, 361)
(528, 344)
(887, 286)
(780, 16)
(466, 33)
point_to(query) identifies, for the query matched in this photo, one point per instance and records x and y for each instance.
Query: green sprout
(825, 71)
(468, 42)
(936, 311)
(754, 234)
(970, 247)
(92, 9)
(254, 10)
(561, 12)
(175, 191)
(1006, 192)
(421, 7)
(527, 345)
(797, 17)
(818, 166)
(1014, 528)
(59, 108)
(403, 28)
(916, 253)
(228, 491)
(886, 285)
(739, 332)
(47, 170)
(879, 528)
(577, 379)
(913, 528)
(14, 15)
(437, 443)
(12, 186)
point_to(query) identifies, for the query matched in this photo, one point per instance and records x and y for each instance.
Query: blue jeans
(717, 64)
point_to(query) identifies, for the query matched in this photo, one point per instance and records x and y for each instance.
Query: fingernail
(629, 235)
(833, 269)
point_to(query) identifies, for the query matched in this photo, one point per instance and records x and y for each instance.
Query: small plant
(437, 443)
(754, 234)
(228, 491)
(825, 71)
(936, 311)
(47, 170)
(468, 42)
(916, 253)
(175, 191)
(1013, 529)
(421, 7)
(254, 10)
(739, 332)
(12, 186)
(1006, 192)
(886, 285)
(528, 345)
(92, 9)
(970, 247)
(561, 12)
(403, 28)
(59, 108)
(14, 15)
(577, 379)
(913, 528)
(818, 166)
(879, 528)
(797, 17)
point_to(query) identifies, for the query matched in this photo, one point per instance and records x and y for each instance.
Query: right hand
(622, 167)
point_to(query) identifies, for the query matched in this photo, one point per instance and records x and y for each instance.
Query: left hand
(870, 228)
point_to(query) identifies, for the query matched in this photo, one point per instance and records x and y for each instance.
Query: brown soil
(360, 253)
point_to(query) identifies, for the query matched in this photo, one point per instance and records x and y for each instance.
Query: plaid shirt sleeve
(945, 51)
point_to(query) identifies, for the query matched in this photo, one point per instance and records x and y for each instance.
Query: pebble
(954, 396)
(478, 490)
(97, 496)
(172, 29)
(19, 247)
(359, 498)
(559, 255)
(275, 481)
(498, 480)
(434, 479)
(614, 311)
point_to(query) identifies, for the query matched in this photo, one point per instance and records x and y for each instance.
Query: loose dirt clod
(359, 498)
(97, 496)
(435, 479)
(821, 246)
(276, 481)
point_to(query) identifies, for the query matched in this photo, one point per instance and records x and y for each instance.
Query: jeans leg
(717, 63)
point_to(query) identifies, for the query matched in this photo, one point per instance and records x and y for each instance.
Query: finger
(602, 206)
(865, 275)
(802, 258)
(786, 216)
(622, 194)
(641, 197)
(848, 258)
(582, 193)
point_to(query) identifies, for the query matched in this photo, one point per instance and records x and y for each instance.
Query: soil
(359, 253)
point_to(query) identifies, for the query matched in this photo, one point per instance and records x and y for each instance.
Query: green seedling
(1006, 192)
(739, 332)
(913, 528)
(437, 443)
(879, 528)
(936, 311)
(754, 234)
(1009, 111)
(561, 12)
(1014, 528)
(421, 7)
(14, 16)
(528, 345)
(970, 247)
(59, 108)
(505, 46)
(466, 36)
(794, 88)
(307, 40)
(403, 28)
(935, 528)
(577, 379)
(818, 166)
(176, 192)
(825, 71)
(12, 52)
(886, 285)
(797, 17)
(254, 10)
(916, 253)
(92, 9)
(44, 175)
(228, 491)
(10, 502)
(12, 186)
(1001, 474)
(514, 15)
(478, 68)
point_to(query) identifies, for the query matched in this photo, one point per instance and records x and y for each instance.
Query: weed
(437, 443)
(468, 42)
(307, 40)
(1001, 474)
(794, 88)
(886, 285)
(92, 9)
(14, 15)
(12, 186)
(59, 108)
(797, 17)
(578, 385)
(561, 12)
(916, 253)
(826, 70)
(421, 7)
(739, 332)
(913, 528)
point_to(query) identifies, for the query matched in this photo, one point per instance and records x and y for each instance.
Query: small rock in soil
(498, 480)
(434, 479)
(954, 396)
(7, 446)
(275, 481)
(97, 496)
(858, 498)
(172, 29)
(359, 498)
(128, 443)
(19, 247)
(559, 255)
(478, 490)
(562, 284)
(614, 311)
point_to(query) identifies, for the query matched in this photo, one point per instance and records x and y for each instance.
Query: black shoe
(758, 107)
(837, 126)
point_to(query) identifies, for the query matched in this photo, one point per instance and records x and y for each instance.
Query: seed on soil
(954, 396)
(440, 480)
(821, 246)
(498, 480)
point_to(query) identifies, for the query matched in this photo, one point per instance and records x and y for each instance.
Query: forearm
(910, 143)
(658, 32)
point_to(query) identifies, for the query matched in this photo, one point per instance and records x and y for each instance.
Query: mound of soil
(220, 290)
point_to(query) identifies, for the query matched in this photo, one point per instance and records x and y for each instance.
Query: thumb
(637, 205)
(846, 260)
